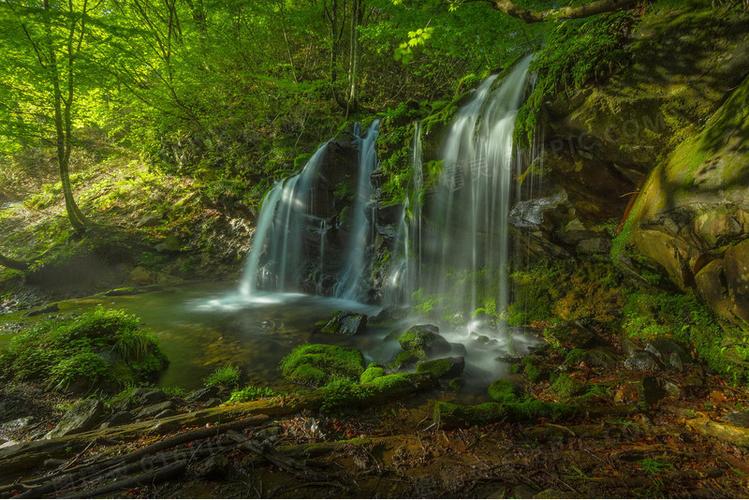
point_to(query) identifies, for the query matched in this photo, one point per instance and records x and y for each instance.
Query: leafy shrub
(99, 349)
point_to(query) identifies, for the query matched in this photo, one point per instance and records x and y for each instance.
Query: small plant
(653, 467)
(251, 393)
(227, 376)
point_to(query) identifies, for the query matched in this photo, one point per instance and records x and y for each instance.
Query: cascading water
(403, 276)
(277, 257)
(289, 249)
(350, 285)
(466, 240)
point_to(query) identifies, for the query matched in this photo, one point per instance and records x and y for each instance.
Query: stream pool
(204, 326)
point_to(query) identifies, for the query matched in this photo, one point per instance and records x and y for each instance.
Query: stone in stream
(82, 417)
(424, 341)
(442, 368)
(345, 323)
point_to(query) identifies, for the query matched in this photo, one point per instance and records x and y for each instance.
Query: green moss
(372, 372)
(318, 364)
(100, 349)
(251, 393)
(532, 371)
(404, 359)
(577, 52)
(227, 376)
(503, 391)
(452, 414)
(342, 393)
(650, 315)
(439, 368)
(565, 387)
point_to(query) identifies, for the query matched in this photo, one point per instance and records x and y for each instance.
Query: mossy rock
(565, 387)
(442, 368)
(424, 341)
(447, 414)
(372, 372)
(503, 391)
(317, 364)
(404, 360)
(343, 394)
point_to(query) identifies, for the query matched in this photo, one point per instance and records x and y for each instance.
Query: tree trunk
(63, 122)
(598, 7)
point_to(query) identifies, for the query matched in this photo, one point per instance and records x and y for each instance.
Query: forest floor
(145, 228)
(657, 431)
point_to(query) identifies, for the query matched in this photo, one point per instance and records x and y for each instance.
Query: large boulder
(424, 341)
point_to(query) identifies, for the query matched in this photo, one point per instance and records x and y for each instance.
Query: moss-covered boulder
(443, 367)
(343, 394)
(101, 350)
(318, 364)
(424, 341)
(372, 372)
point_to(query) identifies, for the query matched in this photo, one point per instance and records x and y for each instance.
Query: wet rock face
(82, 417)
(345, 323)
(706, 248)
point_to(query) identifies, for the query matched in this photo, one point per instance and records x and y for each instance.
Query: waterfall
(404, 270)
(290, 247)
(350, 284)
(277, 259)
(467, 234)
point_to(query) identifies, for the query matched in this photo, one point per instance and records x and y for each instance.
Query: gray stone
(530, 214)
(152, 397)
(642, 361)
(155, 409)
(593, 246)
(458, 349)
(202, 395)
(346, 323)
(669, 353)
(82, 417)
(7, 429)
(120, 418)
(738, 418)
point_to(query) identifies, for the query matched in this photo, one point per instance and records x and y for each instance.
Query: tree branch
(598, 7)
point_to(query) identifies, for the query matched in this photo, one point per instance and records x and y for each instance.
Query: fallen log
(161, 475)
